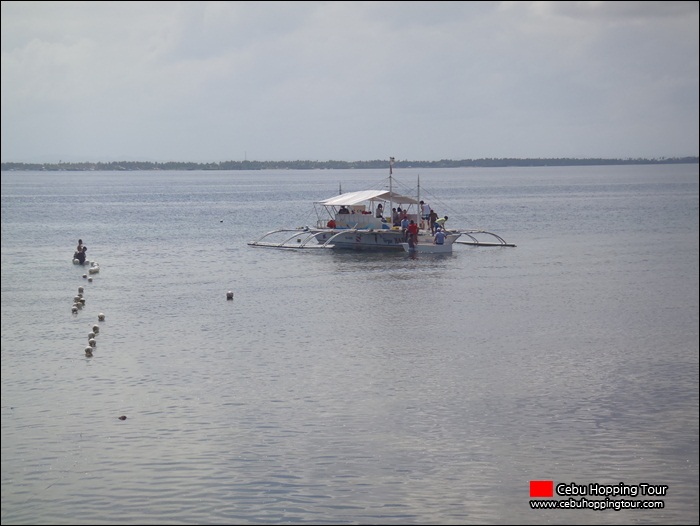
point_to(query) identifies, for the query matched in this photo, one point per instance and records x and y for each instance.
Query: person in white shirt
(425, 213)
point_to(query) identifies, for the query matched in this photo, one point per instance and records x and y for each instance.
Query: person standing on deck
(425, 214)
(431, 219)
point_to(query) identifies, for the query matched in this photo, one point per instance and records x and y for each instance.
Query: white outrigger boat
(355, 221)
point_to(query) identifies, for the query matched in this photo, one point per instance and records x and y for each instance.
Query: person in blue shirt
(439, 238)
(404, 228)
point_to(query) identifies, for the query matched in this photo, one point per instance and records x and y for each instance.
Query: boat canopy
(356, 198)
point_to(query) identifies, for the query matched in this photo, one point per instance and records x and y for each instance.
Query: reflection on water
(342, 387)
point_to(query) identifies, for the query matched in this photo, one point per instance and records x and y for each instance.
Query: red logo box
(541, 488)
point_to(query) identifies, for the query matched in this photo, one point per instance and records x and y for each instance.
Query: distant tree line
(332, 165)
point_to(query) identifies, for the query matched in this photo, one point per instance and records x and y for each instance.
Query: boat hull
(386, 240)
(428, 248)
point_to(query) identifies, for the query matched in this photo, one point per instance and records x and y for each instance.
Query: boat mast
(420, 208)
(391, 201)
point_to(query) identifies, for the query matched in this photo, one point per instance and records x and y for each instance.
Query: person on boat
(431, 219)
(440, 222)
(425, 213)
(395, 220)
(439, 238)
(412, 233)
(399, 216)
(343, 210)
(404, 228)
(380, 210)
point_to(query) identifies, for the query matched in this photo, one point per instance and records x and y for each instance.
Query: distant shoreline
(331, 165)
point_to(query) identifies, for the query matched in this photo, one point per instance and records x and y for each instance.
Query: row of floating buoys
(92, 342)
(93, 269)
(78, 301)
(78, 304)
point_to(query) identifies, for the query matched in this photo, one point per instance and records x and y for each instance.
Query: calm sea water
(342, 388)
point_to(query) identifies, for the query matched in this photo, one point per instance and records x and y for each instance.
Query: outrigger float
(355, 221)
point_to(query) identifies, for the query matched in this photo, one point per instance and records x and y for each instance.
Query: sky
(347, 81)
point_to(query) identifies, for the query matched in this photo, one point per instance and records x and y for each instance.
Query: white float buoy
(100, 317)
(81, 290)
(91, 335)
(88, 352)
(92, 342)
(95, 329)
(89, 280)
(74, 309)
(85, 275)
(229, 295)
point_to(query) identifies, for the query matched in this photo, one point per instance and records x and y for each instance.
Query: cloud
(209, 81)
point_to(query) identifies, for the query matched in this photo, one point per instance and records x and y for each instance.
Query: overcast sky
(216, 81)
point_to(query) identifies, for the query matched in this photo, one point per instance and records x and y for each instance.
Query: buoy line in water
(79, 302)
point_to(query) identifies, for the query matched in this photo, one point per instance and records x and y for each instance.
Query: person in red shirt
(412, 233)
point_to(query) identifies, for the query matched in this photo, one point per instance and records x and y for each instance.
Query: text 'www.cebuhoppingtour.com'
(595, 496)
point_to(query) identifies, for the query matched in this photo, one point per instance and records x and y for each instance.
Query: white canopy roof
(356, 198)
